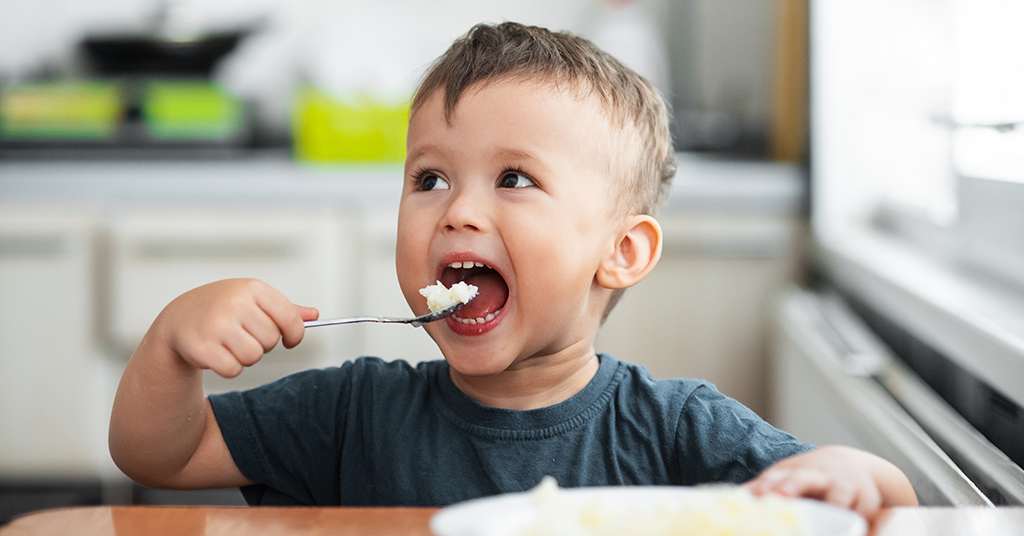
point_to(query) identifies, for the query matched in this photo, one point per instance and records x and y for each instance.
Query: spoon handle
(415, 322)
(356, 320)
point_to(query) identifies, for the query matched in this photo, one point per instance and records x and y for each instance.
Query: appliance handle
(988, 467)
(833, 345)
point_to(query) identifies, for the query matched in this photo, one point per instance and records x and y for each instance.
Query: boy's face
(516, 189)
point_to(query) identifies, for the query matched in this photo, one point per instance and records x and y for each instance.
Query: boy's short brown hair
(509, 50)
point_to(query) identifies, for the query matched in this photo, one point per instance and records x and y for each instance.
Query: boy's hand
(228, 325)
(842, 476)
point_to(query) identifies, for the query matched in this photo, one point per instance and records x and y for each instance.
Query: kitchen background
(148, 147)
(134, 168)
(714, 58)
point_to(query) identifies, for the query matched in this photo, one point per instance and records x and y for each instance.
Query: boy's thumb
(307, 313)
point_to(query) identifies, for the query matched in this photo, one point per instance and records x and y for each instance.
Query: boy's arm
(162, 429)
(839, 475)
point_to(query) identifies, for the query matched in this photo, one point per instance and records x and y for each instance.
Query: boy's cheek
(413, 274)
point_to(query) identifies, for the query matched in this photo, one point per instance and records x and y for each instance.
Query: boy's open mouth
(491, 287)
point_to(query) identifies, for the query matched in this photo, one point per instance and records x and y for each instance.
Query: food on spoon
(438, 297)
(720, 510)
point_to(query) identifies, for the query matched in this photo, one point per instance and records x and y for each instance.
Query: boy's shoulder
(637, 379)
(372, 377)
(690, 399)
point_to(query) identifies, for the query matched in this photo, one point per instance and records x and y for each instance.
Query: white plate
(507, 515)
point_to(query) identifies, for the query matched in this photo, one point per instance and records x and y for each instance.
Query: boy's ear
(635, 252)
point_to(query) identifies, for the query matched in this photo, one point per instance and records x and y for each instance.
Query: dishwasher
(837, 382)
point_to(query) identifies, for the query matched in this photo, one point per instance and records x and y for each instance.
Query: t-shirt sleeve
(721, 440)
(285, 436)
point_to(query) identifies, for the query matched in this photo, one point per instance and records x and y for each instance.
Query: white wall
(45, 30)
(327, 40)
(719, 51)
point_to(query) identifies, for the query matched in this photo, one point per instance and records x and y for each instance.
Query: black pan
(139, 54)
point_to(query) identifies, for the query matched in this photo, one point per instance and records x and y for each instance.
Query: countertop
(322, 521)
(703, 184)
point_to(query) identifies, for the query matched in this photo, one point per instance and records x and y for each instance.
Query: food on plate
(709, 510)
(438, 297)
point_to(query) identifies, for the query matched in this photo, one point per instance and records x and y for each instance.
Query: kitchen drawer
(153, 256)
(702, 311)
(55, 389)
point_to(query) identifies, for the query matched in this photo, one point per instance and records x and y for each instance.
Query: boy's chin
(475, 365)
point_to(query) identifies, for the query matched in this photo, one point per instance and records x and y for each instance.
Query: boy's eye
(513, 179)
(430, 181)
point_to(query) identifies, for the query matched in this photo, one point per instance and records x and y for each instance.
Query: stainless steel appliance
(911, 342)
(842, 384)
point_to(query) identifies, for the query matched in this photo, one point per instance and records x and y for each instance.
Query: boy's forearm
(159, 414)
(162, 429)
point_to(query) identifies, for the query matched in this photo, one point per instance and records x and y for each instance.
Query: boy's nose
(466, 211)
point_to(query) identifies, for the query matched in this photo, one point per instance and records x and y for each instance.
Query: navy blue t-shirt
(372, 432)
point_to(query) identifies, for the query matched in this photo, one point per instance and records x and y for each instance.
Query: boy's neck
(535, 383)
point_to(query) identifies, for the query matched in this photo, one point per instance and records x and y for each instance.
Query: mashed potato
(716, 510)
(438, 297)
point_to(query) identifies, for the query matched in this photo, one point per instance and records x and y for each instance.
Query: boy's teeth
(479, 320)
(467, 264)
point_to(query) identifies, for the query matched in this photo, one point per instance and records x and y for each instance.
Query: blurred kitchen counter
(703, 184)
(256, 178)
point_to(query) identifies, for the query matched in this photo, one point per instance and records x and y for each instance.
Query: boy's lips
(492, 290)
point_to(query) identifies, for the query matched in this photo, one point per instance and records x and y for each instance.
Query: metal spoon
(415, 322)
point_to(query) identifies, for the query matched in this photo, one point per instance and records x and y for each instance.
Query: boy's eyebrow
(430, 148)
(503, 153)
(514, 154)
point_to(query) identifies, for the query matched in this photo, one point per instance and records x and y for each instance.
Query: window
(917, 172)
(987, 90)
(918, 122)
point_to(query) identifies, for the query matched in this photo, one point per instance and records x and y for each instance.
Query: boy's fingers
(285, 315)
(766, 481)
(292, 333)
(307, 313)
(811, 484)
(224, 364)
(869, 502)
(246, 348)
(797, 483)
(865, 500)
(840, 494)
(263, 330)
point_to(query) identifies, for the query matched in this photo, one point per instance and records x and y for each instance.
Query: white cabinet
(55, 389)
(734, 234)
(702, 312)
(381, 295)
(152, 256)
(80, 287)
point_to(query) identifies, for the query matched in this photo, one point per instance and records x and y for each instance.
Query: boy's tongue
(492, 293)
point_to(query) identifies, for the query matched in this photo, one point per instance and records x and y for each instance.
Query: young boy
(534, 165)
